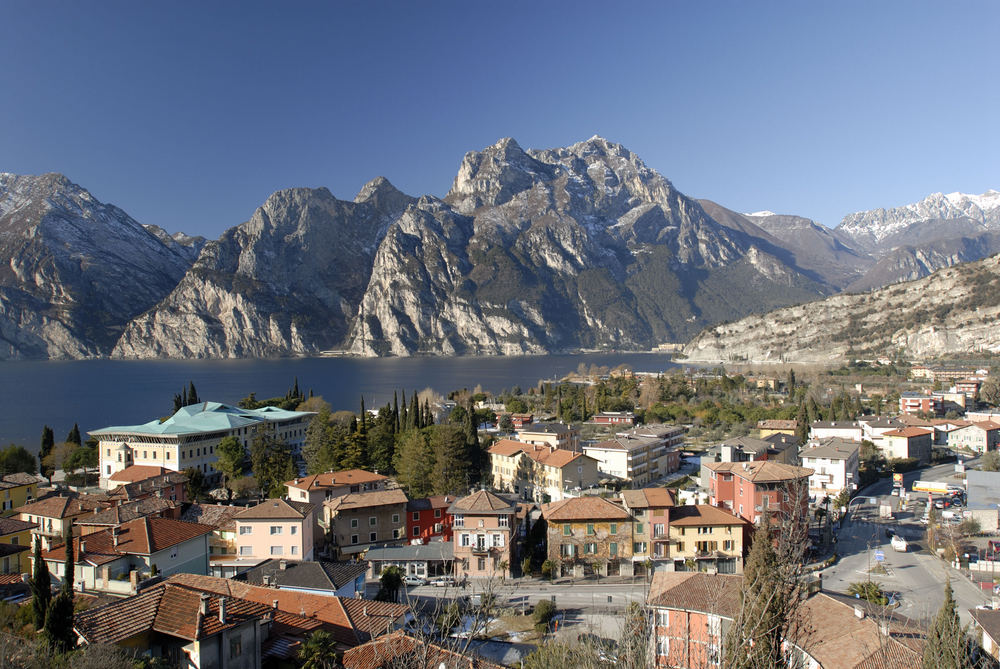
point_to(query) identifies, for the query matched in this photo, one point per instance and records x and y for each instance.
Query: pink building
(747, 488)
(275, 528)
(485, 529)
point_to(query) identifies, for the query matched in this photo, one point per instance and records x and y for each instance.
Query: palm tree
(319, 651)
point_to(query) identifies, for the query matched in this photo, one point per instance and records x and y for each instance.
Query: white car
(412, 579)
(898, 543)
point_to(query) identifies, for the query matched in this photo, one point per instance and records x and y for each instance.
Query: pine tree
(41, 587)
(947, 645)
(69, 571)
(74, 436)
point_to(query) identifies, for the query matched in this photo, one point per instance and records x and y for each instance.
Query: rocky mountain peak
(494, 176)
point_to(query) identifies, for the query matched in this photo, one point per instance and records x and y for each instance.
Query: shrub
(545, 611)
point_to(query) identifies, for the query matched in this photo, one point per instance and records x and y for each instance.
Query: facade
(986, 626)
(907, 442)
(358, 521)
(118, 559)
(556, 435)
(707, 538)
(15, 546)
(318, 488)
(588, 535)
(17, 490)
(873, 427)
(427, 519)
(913, 403)
(189, 437)
(978, 437)
(540, 473)
(275, 528)
(485, 529)
(850, 430)
(51, 515)
(423, 560)
(223, 558)
(138, 482)
(614, 418)
(766, 428)
(835, 464)
(641, 455)
(983, 498)
(650, 510)
(748, 488)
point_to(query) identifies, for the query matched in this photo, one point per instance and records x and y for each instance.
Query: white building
(821, 429)
(834, 462)
(641, 455)
(189, 437)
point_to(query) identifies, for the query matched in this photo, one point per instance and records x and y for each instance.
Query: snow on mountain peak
(761, 214)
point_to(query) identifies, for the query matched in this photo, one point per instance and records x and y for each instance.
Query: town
(607, 518)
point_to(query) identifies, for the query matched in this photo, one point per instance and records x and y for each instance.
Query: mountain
(286, 282)
(181, 243)
(953, 310)
(74, 271)
(553, 250)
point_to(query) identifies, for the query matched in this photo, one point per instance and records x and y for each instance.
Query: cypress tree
(69, 570)
(193, 395)
(48, 441)
(295, 390)
(428, 416)
(947, 644)
(59, 623)
(184, 397)
(395, 410)
(74, 436)
(41, 587)
(415, 411)
(404, 419)
(802, 426)
(363, 425)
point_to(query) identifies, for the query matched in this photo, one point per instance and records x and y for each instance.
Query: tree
(390, 583)
(990, 461)
(231, 460)
(989, 392)
(15, 459)
(271, 461)
(41, 587)
(58, 455)
(414, 463)
(58, 630)
(868, 590)
(319, 651)
(506, 423)
(948, 645)
(382, 441)
(74, 436)
(194, 488)
(192, 395)
(69, 563)
(451, 471)
(48, 441)
(82, 457)
(317, 435)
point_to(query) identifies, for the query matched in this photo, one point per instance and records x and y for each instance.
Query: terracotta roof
(147, 487)
(134, 473)
(545, 455)
(143, 536)
(987, 425)
(584, 508)
(482, 501)
(12, 525)
(334, 479)
(18, 479)
(363, 500)
(908, 432)
(271, 509)
(350, 621)
(648, 498)
(761, 471)
(58, 506)
(434, 502)
(218, 516)
(400, 649)
(702, 515)
(12, 549)
(695, 591)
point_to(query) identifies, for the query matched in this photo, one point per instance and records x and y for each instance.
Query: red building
(428, 519)
(747, 488)
(913, 403)
(521, 419)
(614, 418)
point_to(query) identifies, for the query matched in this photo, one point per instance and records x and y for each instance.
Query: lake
(101, 393)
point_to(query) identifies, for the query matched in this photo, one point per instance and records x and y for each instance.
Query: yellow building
(540, 473)
(706, 538)
(17, 490)
(588, 535)
(15, 546)
(766, 428)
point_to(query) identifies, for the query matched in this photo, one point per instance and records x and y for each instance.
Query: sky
(189, 114)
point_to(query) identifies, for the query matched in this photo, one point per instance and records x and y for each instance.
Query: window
(663, 644)
(714, 625)
(277, 550)
(727, 545)
(173, 553)
(639, 547)
(658, 530)
(437, 513)
(246, 550)
(395, 533)
(504, 521)
(235, 648)
(497, 540)
(590, 548)
(144, 455)
(567, 530)
(662, 617)
(481, 564)
(295, 550)
(638, 528)
(276, 529)
(395, 518)
(354, 523)
(458, 520)
(464, 540)
(566, 550)
(372, 521)
(613, 548)
(415, 516)
(354, 538)
(246, 529)
(704, 530)
(614, 528)
(294, 529)
(372, 537)
(590, 528)
(416, 531)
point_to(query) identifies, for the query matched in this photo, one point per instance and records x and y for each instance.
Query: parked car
(413, 579)
(443, 581)
(898, 543)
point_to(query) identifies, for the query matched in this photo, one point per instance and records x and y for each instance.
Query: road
(916, 575)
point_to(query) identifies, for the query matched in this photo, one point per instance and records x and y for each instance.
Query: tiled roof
(143, 536)
(648, 498)
(702, 515)
(273, 509)
(584, 508)
(482, 501)
(12, 525)
(427, 503)
(835, 424)
(545, 455)
(907, 432)
(126, 512)
(18, 479)
(218, 516)
(363, 500)
(147, 487)
(401, 649)
(749, 444)
(335, 479)
(134, 473)
(761, 471)
(58, 506)
(989, 620)
(832, 448)
(12, 549)
(546, 428)
(695, 591)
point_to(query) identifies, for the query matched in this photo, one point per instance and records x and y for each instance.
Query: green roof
(205, 417)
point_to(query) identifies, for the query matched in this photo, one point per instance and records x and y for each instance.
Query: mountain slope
(74, 270)
(286, 282)
(955, 309)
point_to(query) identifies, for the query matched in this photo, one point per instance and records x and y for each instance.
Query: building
(983, 498)
(589, 535)
(706, 538)
(977, 437)
(138, 482)
(399, 649)
(641, 455)
(188, 438)
(117, 560)
(650, 510)
(15, 545)
(873, 427)
(914, 403)
(845, 429)
(17, 490)
(361, 520)
(275, 528)
(427, 519)
(986, 626)
(614, 418)
(424, 560)
(556, 435)
(52, 514)
(968, 387)
(223, 558)
(318, 488)
(340, 579)
(907, 442)
(519, 420)
(748, 488)
(766, 428)
(540, 473)
(485, 527)
(835, 464)
(103, 519)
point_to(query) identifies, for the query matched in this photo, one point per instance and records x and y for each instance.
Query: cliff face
(74, 270)
(286, 282)
(955, 309)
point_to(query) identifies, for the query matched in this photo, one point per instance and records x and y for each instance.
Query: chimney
(365, 611)
(274, 603)
(282, 565)
(222, 610)
(203, 606)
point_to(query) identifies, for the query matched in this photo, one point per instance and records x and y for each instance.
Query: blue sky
(189, 114)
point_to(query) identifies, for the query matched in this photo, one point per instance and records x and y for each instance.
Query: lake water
(100, 393)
